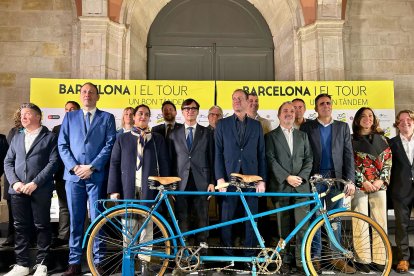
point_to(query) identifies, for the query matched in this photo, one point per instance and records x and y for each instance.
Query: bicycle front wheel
(114, 235)
(367, 248)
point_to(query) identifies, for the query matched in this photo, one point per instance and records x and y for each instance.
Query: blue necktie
(88, 121)
(190, 138)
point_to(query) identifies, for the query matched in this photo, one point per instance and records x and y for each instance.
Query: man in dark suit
(85, 143)
(289, 162)
(239, 148)
(31, 161)
(191, 147)
(64, 226)
(169, 112)
(332, 157)
(402, 184)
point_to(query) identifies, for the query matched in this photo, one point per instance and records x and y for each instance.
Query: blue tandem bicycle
(135, 232)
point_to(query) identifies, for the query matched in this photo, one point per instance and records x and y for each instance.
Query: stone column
(322, 50)
(321, 44)
(99, 44)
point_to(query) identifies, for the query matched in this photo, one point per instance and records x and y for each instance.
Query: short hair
(123, 113)
(216, 106)
(243, 91)
(33, 107)
(397, 118)
(321, 96)
(356, 124)
(254, 94)
(141, 105)
(188, 102)
(93, 85)
(168, 102)
(280, 107)
(74, 103)
(300, 100)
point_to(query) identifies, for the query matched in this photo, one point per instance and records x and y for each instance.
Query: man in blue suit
(239, 148)
(85, 143)
(333, 156)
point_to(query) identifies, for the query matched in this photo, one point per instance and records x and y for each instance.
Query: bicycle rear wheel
(363, 238)
(116, 231)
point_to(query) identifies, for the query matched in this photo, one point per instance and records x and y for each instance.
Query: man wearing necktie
(191, 147)
(169, 112)
(85, 142)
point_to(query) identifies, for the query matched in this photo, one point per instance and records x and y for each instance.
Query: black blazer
(37, 165)
(10, 136)
(124, 160)
(402, 172)
(161, 129)
(342, 153)
(200, 159)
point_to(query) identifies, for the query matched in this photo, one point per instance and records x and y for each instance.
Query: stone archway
(283, 17)
(210, 40)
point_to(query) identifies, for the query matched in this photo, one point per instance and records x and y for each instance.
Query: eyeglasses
(215, 114)
(190, 108)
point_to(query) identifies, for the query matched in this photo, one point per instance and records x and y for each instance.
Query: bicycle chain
(219, 269)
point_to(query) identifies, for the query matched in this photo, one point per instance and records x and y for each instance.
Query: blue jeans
(336, 225)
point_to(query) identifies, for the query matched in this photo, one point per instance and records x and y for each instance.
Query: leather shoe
(342, 266)
(317, 266)
(285, 269)
(362, 267)
(9, 242)
(402, 266)
(73, 270)
(56, 242)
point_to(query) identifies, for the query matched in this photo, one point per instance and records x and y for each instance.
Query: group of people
(89, 160)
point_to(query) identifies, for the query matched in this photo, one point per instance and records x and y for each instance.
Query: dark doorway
(210, 40)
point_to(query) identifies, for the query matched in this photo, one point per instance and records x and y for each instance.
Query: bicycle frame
(177, 236)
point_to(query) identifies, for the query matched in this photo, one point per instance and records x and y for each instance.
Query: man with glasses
(332, 158)
(191, 147)
(215, 113)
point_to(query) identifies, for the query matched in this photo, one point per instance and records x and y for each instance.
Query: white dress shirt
(408, 147)
(29, 137)
(289, 137)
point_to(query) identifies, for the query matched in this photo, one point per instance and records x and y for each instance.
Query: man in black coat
(31, 161)
(192, 147)
(402, 184)
(169, 112)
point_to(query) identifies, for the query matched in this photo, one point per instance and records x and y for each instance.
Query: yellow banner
(54, 93)
(345, 94)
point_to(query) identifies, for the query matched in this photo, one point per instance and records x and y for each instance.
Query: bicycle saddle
(247, 178)
(164, 180)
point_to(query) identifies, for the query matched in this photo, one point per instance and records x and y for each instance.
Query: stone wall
(381, 45)
(35, 41)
